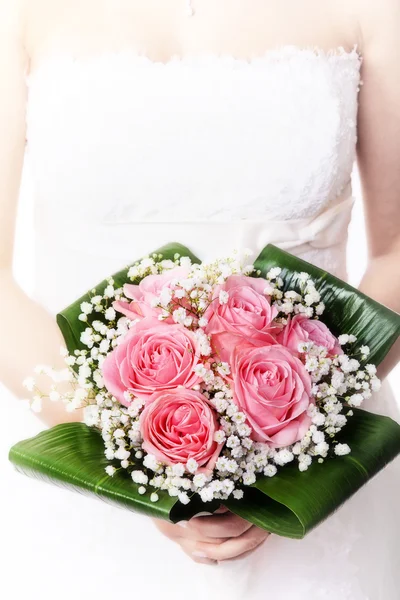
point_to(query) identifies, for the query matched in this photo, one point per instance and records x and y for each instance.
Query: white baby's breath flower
(139, 477)
(371, 369)
(179, 315)
(109, 453)
(219, 436)
(86, 308)
(183, 498)
(165, 296)
(109, 292)
(318, 419)
(233, 441)
(110, 470)
(274, 272)
(356, 400)
(248, 269)
(91, 415)
(322, 449)
(238, 494)
(178, 469)
(192, 465)
(206, 494)
(312, 298)
(269, 289)
(248, 478)
(86, 337)
(283, 457)
(199, 480)
(286, 308)
(29, 384)
(119, 433)
(179, 294)
(122, 454)
(237, 452)
(311, 363)
(303, 277)
(185, 261)
(133, 272)
(270, 470)
(223, 369)
(375, 384)
(223, 297)
(342, 449)
(110, 314)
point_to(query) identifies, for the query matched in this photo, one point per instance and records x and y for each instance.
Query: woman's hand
(214, 538)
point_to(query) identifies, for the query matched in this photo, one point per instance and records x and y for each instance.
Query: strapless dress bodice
(213, 151)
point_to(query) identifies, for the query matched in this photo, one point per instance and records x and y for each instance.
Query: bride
(220, 124)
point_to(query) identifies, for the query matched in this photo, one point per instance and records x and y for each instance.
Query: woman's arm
(29, 335)
(378, 154)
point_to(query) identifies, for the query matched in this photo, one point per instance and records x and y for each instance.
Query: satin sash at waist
(129, 239)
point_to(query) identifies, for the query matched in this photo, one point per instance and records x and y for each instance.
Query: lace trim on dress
(277, 53)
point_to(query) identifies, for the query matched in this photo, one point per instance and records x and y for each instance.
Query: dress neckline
(275, 54)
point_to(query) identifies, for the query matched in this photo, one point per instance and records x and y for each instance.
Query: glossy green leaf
(289, 504)
(72, 454)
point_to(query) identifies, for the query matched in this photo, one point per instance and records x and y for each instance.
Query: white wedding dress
(217, 153)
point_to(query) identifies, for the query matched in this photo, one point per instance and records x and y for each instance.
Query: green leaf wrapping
(292, 502)
(297, 501)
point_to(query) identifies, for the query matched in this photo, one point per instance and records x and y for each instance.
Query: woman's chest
(161, 28)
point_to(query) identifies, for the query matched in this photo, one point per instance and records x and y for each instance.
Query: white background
(29, 565)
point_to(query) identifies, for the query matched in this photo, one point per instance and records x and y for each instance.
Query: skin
(31, 30)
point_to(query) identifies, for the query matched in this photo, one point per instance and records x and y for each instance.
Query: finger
(186, 531)
(199, 556)
(225, 525)
(182, 530)
(231, 548)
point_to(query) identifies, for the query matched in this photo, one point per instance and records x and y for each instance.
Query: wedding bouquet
(220, 382)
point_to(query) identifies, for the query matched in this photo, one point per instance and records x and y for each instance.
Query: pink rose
(178, 425)
(302, 329)
(146, 292)
(246, 314)
(153, 356)
(273, 388)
